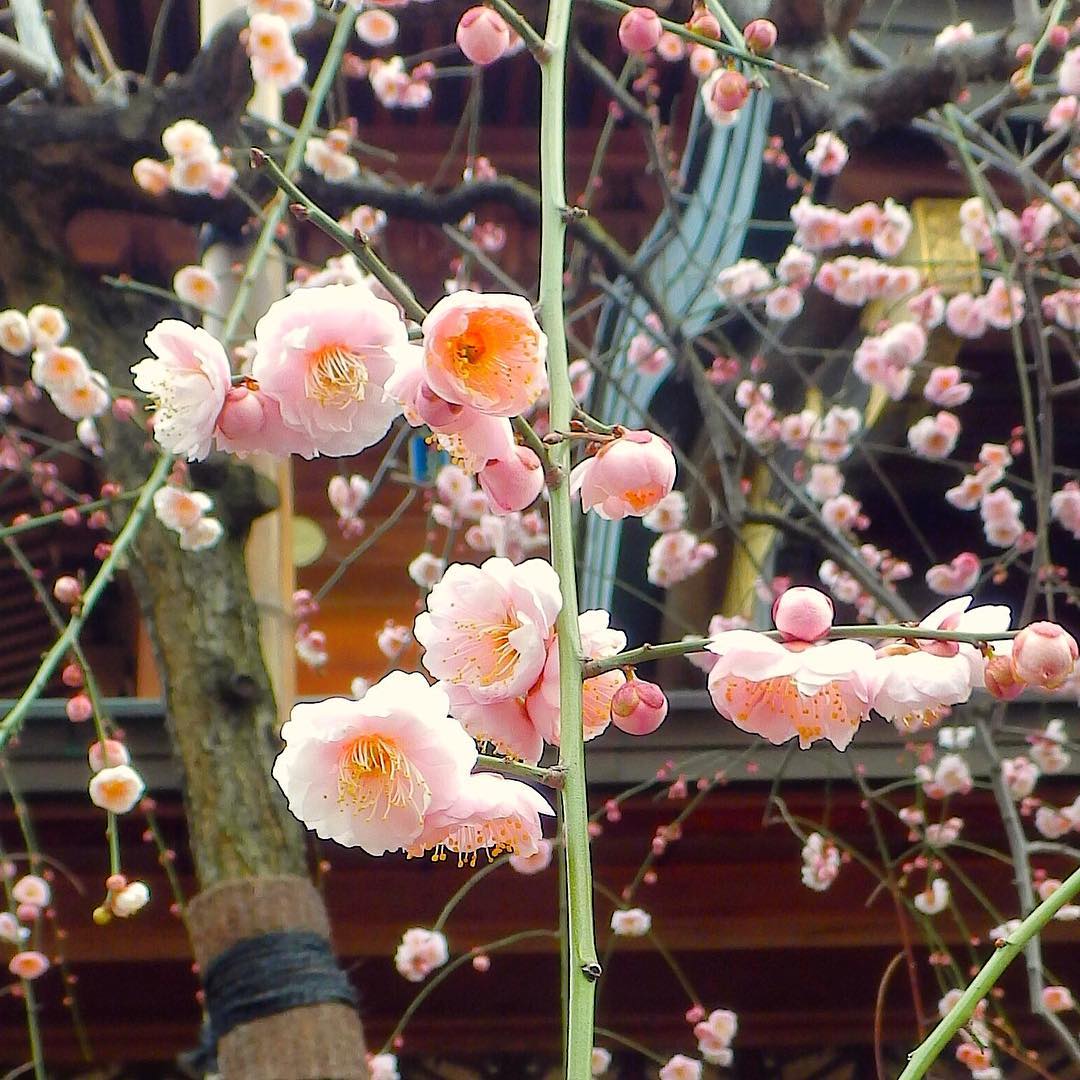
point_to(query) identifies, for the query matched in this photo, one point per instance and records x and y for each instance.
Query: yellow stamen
(372, 771)
(336, 377)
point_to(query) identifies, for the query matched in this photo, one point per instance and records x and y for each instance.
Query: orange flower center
(336, 377)
(375, 776)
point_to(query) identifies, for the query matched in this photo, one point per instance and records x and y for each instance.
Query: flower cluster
(62, 371)
(274, 59)
(489, 636)
(392, 772)
(185, 512)
(195, 165)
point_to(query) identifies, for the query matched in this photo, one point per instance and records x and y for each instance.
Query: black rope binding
(265, 975)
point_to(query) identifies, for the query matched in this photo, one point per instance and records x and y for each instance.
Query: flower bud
(1044, 655)
(705, 25)
(803, 614)
(152, 176)
(107, 755)
(760, 35)
(640, 30)
(67, 590)
(638, 707)
(1001, 680)
(514, 483)
(730, 91)
(482, 35)
(1058, 37)
(72, 676)
(435, 411)
(627, 477)
(242, 414)
(79, 709)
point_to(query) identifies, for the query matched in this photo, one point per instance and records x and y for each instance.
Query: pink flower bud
(1058, 37)
(1044, 655)
(152, 176)
(115, 882)
(760, 35)
(67, 590)
(705, 25)
(107, 755)
(123, 408)
(730, 91)
(79, 709)
(28, 965)
(242, 414)
(72, 676)
(435, 411)
(481, 963)
(803, 614)
(514, 483)
(1001, 680)
(627, 476)
(640, 30)
(638, 707)
(27, 912)
(482, 35)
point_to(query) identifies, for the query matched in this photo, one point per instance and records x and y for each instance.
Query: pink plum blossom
(486, 351)
(117, 789)
(681, 1067)
(420, 953)
(669, 513)
(934, 899)
(31, 889)
(487, 628)
(627, 476)
(187, 377)
(715, 1034)
(376, 27)
(820, 862)
(828, 155)
(1065, 508)
(676, 556)
(945, 387)
(934, 436)
(365, 773)
(631, 922)
(598, 641)
(951, 776)
(178, 508)
(325, 355)
(956, 577)
(490, 813)
(1057, 999)
(768, 689)
(1020, 775)
(28, 965)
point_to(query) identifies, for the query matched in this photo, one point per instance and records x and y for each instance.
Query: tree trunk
(204, 627)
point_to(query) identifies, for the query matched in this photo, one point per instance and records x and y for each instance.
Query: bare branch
(32, 30)
(26, 65)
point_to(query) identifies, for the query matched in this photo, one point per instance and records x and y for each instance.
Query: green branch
(11, 723)
(921, 1060)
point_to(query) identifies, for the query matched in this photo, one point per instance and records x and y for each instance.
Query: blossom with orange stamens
(486, 351)
(365, 773)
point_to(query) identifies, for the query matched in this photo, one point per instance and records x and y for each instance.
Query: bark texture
(59, 160)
